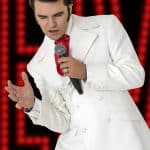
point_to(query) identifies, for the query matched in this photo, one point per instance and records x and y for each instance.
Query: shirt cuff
(35, 111)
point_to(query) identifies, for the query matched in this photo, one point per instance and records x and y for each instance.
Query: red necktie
(64, 40)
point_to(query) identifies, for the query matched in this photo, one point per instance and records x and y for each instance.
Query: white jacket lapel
(47, 46)
(81, 39)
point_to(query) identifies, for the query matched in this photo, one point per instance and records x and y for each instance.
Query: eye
(59, 14)
(42, 17)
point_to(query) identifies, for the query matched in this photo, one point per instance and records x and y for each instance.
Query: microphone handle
(77, 85)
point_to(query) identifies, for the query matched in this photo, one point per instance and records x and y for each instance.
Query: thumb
(25, 78)
(18, 106)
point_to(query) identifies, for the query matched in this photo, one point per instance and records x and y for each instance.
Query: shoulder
(98, 19)
(40, 53)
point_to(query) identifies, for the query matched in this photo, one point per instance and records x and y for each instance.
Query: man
(102, 57)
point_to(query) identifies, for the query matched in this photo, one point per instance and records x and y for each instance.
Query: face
(52, 17)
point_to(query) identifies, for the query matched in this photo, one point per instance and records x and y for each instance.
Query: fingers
(65, 71)
(65, 68)
(9, 90)
(13, 90)
(72, 67)
(18, 106)
(20, 94)
(64, 65)
(25, 78)
(13, 97)
(11, 86)
(64, 60)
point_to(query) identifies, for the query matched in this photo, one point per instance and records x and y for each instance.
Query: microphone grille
(60, 49)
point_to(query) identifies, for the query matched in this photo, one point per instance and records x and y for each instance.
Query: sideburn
(69, 14)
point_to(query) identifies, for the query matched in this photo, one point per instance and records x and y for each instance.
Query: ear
(70, 8)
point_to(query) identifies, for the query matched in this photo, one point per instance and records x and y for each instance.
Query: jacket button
(84, 130)
(101, 98)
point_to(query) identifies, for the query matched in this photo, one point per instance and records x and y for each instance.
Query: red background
(19, 39)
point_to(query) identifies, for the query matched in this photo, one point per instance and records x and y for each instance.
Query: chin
(54, 37)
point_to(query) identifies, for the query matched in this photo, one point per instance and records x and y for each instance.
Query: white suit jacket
(112, 69)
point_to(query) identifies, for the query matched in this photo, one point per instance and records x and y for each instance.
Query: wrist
(28, 109)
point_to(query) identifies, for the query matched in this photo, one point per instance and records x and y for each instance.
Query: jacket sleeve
(125, 72)
(53, 112)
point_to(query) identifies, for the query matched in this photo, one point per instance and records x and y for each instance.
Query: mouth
(53, 31)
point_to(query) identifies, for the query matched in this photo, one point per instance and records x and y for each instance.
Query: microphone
(60, 50)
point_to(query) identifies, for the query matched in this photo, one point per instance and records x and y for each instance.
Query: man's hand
(72, 67)
(22, 95)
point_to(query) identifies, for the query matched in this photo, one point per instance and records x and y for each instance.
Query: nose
(51, 23)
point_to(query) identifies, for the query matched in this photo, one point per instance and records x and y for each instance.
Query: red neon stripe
(98, 7)
(4, 116)
(78, 7)
(142, 46)
(115, 8)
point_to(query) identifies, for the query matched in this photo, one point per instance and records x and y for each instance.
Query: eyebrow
(41, 16)
(58, 13)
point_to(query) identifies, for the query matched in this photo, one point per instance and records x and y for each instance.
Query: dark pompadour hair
(66, 2)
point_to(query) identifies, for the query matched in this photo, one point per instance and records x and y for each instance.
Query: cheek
(42, 25)
(63, 25)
